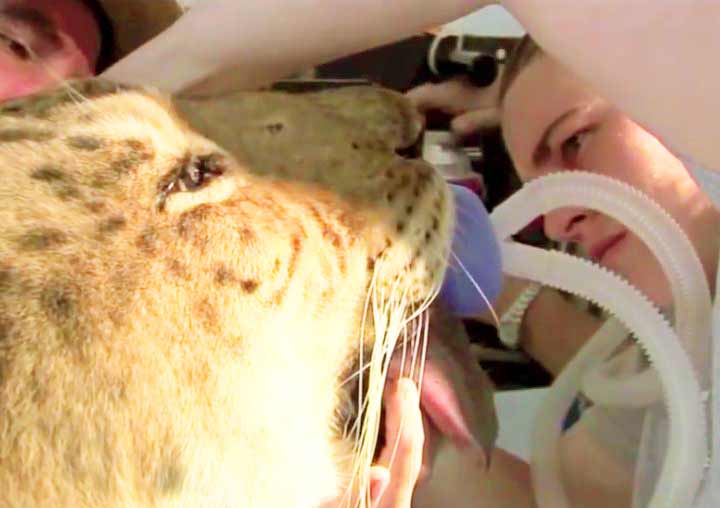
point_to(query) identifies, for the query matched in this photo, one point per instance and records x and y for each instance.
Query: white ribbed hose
(687, 447)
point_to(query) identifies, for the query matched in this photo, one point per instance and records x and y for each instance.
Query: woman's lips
(600, 250)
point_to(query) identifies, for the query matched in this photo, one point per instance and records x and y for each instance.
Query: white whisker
(477, 288)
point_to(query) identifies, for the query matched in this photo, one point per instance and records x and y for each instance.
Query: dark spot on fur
(427, 237)
(104, 178)
(87, 143)
(435, 224)
(95, 206)
(67, 192)
(409, 210)
(390, 197)
(147, 241)
(246, 234)
(170, 479)
(355, 146)
(124, 165)
(178, 269)
(328, 231)
(295, 248)
(48, 174)
(370, 264)
(6, 278)
(224, 276)
(4, 328)
(58, 303)
(274, 128)
(14, 135)
(131, 154)
(143, 152)
(207, 314)
(400, 227)
(112, 225)
(190, 225)
(41, 239)
(416, 191)
(58, 181)
(249, 285)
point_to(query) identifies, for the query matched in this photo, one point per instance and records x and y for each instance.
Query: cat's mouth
(456, 396)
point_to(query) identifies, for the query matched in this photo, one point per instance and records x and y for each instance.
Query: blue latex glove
(476, 245)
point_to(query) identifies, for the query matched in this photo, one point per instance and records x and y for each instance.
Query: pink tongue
(442, 405)
(456, 395)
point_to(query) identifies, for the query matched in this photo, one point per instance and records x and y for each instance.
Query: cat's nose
(474, 275)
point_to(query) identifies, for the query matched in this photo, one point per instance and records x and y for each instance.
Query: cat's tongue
(455, 394)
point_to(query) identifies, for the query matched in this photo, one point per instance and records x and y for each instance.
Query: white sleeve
(267, 40)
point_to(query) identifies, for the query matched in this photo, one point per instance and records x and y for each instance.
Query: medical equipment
(474, 269)
(455, 54)
(671, 351)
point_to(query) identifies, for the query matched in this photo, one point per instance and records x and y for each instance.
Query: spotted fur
(183, 284)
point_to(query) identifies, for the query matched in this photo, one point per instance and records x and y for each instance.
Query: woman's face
(553, 121)
(43, 42)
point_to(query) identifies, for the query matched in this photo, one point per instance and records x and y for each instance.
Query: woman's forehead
(540, 94)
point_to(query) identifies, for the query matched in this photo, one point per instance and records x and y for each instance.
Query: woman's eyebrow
(34, 21)
(541, 147)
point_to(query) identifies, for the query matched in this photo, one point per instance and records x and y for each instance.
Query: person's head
(552, 120)
(43, 42)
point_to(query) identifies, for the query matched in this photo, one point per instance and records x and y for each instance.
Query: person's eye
(572, 146)
(16, 47)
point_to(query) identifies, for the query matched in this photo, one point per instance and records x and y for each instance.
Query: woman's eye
(17, 48)
(570, 148)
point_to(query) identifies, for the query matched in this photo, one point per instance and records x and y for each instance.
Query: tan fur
(188, 349)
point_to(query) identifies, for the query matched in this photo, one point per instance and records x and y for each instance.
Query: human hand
(455, 402)
(456, 397)
(472, 107)
(398, 468)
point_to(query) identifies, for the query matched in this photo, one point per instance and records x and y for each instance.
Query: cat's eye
(198, 171)
(192, 175)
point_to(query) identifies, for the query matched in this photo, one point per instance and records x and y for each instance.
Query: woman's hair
(526, 50)
(107, 35)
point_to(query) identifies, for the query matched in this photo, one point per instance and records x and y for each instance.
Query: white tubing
(545, 470)
(687, 450)
(674, 251)
(687, 447)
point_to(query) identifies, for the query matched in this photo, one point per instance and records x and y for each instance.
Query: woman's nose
(565, 224)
